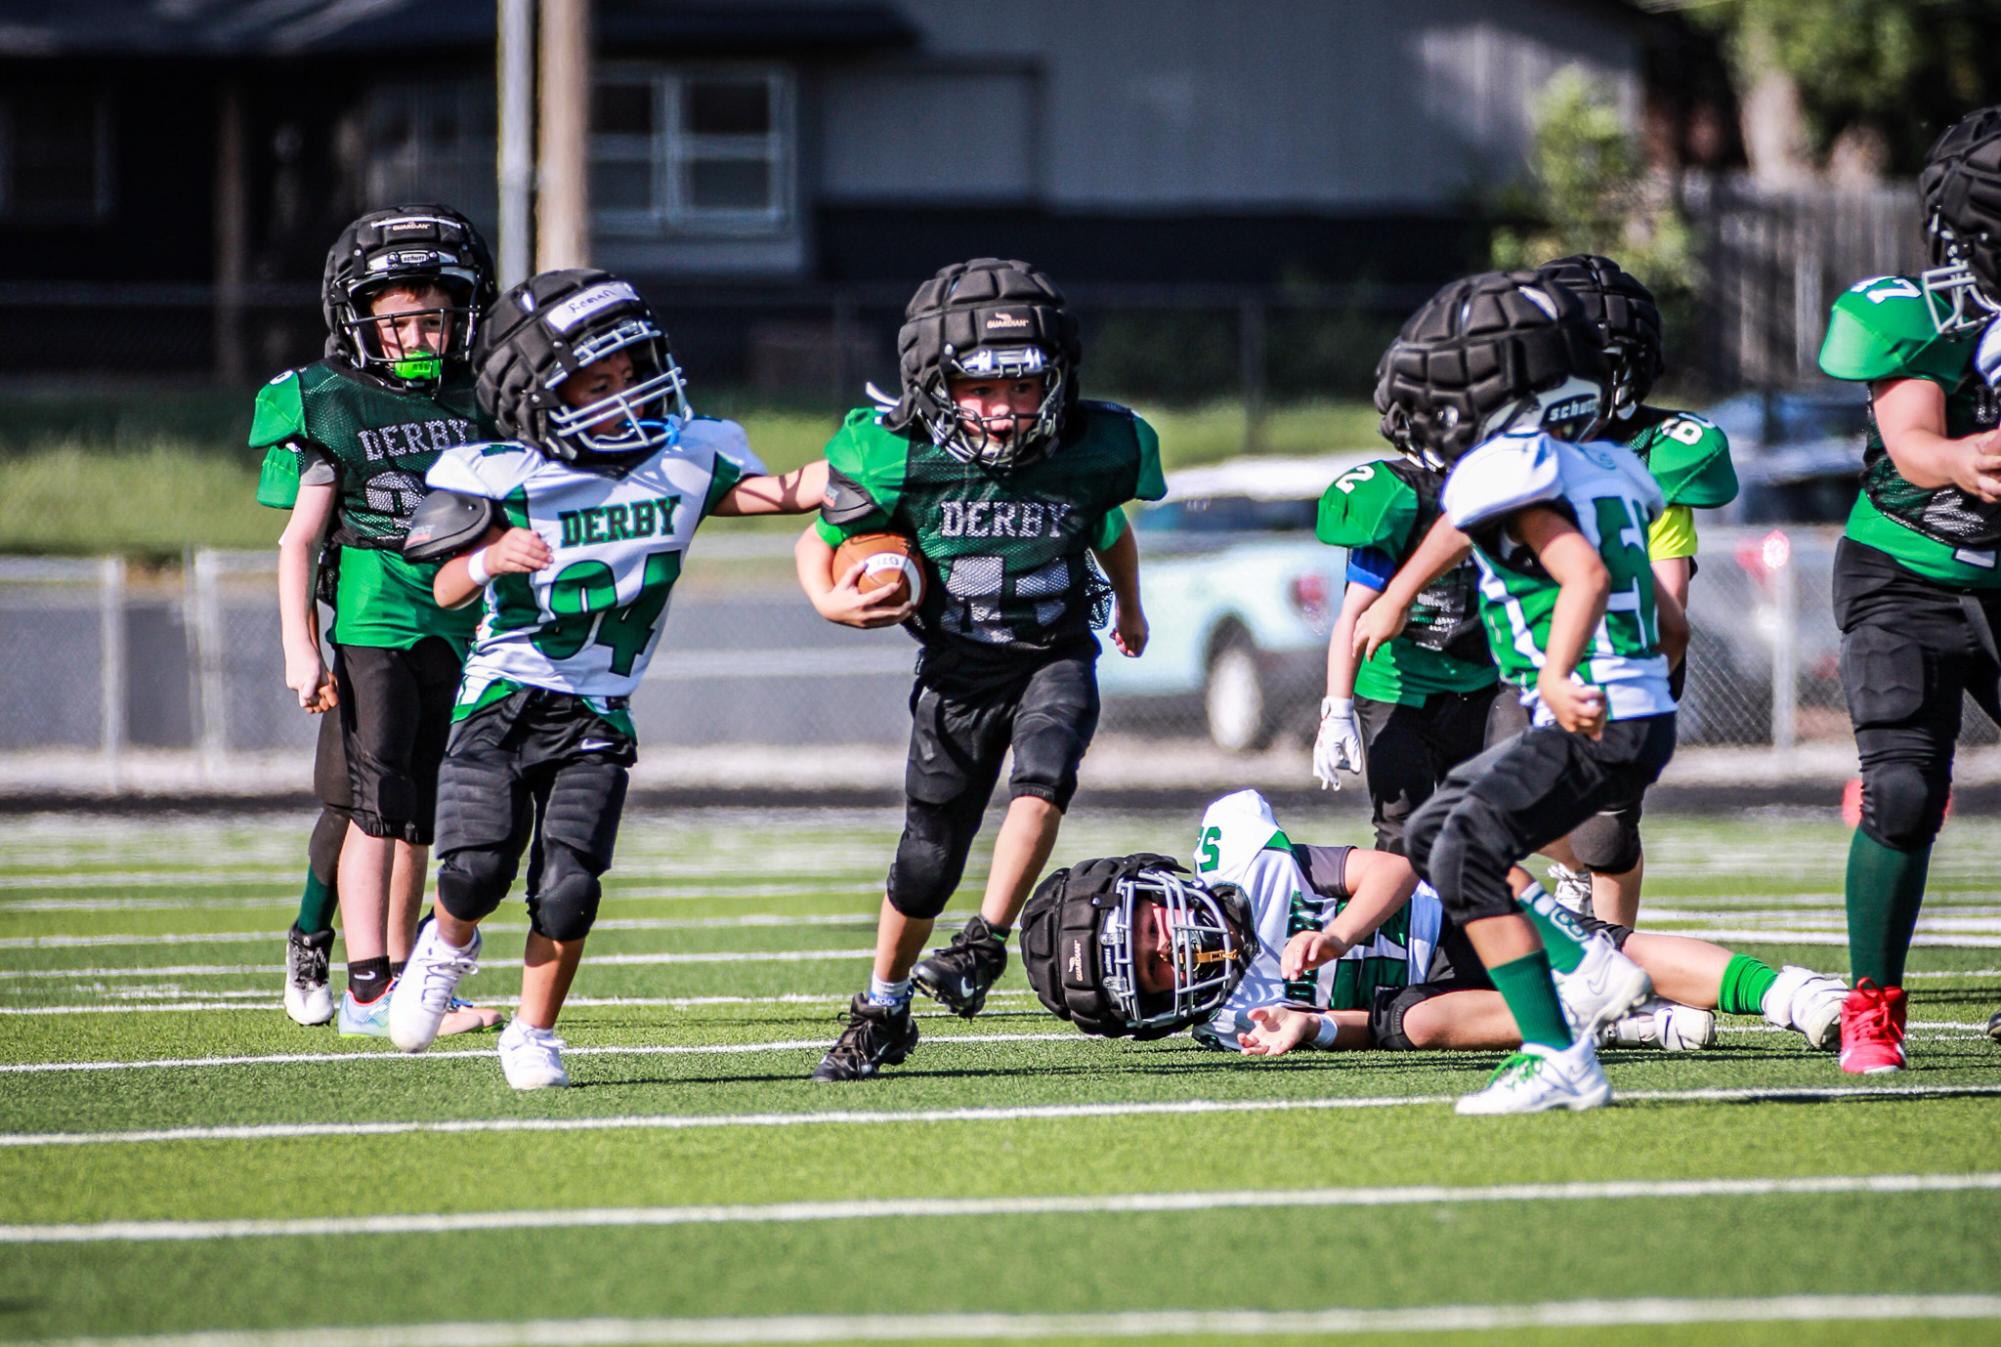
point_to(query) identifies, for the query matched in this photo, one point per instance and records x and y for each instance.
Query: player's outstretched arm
(298, 625)
(1583, 586)
(795, 492)
(1378, 883)
(1910, 415)
(1443, 548)
(500, 552)
(842, 601)
(1121, 563)
(1337, 744)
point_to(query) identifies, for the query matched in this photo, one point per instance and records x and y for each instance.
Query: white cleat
(1572, 888)
(1538, 1079)
(1602, 988)
(1667, 1025)
(1809, 1002)
(308, 999)
(422, 997)
(532, 1058)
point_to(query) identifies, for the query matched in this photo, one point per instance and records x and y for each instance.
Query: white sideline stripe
(197, 903)
(1782, 936)
(1103, 1204)
(748, 921)
(1641, 1312)
(598, 961)
(667, 1002)
(674, 1050)
(674, 1122)
(636, 1050)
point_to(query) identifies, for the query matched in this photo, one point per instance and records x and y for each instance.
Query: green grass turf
(684, 885)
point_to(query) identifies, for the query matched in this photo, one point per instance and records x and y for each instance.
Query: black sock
(367, 979)
(396, 969)
(999, 932)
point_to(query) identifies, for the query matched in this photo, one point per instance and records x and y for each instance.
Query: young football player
(1917, 578)
(574, 529)
(1345, 949)
(1499, 376)
(1426, 700)
(348, 440)
(1009, 483)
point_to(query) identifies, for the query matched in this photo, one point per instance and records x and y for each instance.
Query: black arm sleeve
(1325, 868)
(445, 524)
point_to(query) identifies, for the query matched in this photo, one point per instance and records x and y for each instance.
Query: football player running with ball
(1917, 578)
(574, 530)
(348, 440)
(1009, 483)
(1499, 377)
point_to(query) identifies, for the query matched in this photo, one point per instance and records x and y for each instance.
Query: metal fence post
(207, 630)
(1785, 648)
(113, 673)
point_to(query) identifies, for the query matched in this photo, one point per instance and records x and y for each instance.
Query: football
(886, 559)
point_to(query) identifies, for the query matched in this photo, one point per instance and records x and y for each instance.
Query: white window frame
(668, 155)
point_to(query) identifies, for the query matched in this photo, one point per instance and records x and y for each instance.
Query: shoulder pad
(1882, 328)
(1689, 457)
(1369, 506)
(846, 502)
(280, 413)
(727, 440)
(489, 470)
(871, 455)
(1506, 474)
(1234, 830)
(445, 524)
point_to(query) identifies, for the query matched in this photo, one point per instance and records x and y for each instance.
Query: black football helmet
(550, 327)
(1079, 945)
(1627, 319)
(1961, 191)
(405, 245)
(986, 318)
(1492, 353)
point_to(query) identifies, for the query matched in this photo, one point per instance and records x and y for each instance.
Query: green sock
(1885, 889)
(1745, 982)
(1525, 985)
(317, 905)
(1562, 938)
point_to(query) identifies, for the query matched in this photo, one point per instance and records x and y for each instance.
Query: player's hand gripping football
(1377, 627)
(1307, 951)
(1980, 471)
(1129, 631)
(1578, 707)
(851, 606)
(1337, 747)
(1277, 1030)
(309, 680)
(517, 552)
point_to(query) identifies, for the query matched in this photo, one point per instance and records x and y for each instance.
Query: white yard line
(1103, 1204)
(597, 961)
(210, 1001)
(748, 921)
(672, 1122)
(1148, 1324)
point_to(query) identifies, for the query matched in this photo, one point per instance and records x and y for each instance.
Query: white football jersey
(589, 621)
(1612, 498)
(1242, 844)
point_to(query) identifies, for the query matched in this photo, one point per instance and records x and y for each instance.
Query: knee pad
(930, 857)
(1386, 1014)
(1608, 843)
(1903, 805)
(565, 902)
(472, 881)
(1467, 861)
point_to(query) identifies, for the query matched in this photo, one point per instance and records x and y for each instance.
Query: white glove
(1987, 354)
(1338, 745)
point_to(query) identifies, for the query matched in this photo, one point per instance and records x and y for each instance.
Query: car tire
(1236, 703)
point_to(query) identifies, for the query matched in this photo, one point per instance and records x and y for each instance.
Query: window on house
(55, 155)
(692, 152)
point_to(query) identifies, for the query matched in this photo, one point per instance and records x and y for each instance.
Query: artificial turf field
(179, 1163)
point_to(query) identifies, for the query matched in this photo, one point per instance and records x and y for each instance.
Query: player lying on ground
(1340, 947)
(348, 440)
(573, 531)
(1009, 483)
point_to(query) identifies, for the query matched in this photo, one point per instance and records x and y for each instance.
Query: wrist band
(1323, 1038)
(1337, 706)
(476, 568)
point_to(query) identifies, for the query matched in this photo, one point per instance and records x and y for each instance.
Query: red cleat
(1872, 1029)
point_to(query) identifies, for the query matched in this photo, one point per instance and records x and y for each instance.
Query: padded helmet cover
(1626, 316)
(1961, 191)
(422, 243)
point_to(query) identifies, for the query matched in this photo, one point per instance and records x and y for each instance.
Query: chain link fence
(97, 662)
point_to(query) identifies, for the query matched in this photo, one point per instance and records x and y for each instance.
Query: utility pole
(562, 207)
(516, 170)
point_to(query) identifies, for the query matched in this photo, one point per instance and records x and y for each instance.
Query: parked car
(1240, 597)
(1798, 453)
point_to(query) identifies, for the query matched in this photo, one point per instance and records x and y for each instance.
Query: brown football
(886, 559)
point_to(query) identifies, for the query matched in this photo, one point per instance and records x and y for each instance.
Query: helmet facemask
(374, 342)
(638, 412)
(412, 248)
(1208, 935)
(1958, 302)
(967, 436)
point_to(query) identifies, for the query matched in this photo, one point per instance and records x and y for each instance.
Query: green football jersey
(1383, 510)
(1008, 549)
(377, 443)
(1882, 328)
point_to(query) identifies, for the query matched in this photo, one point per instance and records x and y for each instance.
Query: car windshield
(1230, 514)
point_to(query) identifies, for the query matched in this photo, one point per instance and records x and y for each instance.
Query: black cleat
(958, 976)
(876, 1036)
(308, 1000)
(1994, 1027)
